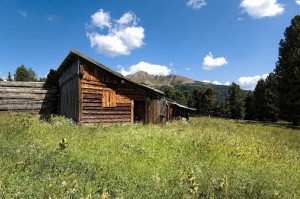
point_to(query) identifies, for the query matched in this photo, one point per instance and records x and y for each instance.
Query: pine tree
(31, 75)
(260, 101)
(265, 99)
(271, 98)
(209, 102)
(9, 77)
(169, 92)
(21, 74)
(24, 74)
(236, 102)
(224, 109)
(250, 108)
(197, 98)
(287, 72)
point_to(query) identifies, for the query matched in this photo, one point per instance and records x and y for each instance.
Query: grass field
(207, 158)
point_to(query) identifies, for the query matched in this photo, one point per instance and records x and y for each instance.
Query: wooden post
(81, 73)
(146, 111)
(132, 111)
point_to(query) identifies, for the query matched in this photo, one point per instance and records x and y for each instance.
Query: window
(109, 99)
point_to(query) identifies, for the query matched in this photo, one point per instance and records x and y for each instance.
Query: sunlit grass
(207, 158)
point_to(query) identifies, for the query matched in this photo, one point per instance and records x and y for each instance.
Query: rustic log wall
(157, 111)
(69, 92)
(93, 84)
(33, 97)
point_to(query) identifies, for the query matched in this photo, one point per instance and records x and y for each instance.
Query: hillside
(159, 80)
(207, 158)
(178, 82)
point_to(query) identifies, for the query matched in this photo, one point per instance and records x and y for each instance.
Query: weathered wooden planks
(9, 84)
(103, 99)
(31, 97)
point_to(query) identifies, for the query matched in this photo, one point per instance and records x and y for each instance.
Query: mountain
(177, 82)
(159, 80)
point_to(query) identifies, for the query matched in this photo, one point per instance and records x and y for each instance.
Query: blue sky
(206, 40)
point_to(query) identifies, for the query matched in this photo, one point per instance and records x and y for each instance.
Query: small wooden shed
(90, 92)
(177, 111)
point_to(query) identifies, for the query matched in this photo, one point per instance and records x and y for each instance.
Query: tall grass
(206, 158)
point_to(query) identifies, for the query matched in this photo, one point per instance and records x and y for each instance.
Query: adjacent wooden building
(90, 92)
(28, 97)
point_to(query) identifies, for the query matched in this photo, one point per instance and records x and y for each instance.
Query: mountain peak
(159, 80)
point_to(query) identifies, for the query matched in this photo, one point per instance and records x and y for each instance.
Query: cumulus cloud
(227, 83)
(216, 82)
(122, 36)
(101, 19)
(297, 2)
(249, 83)
(209, 62)
(196, 4)
(262, 8)
(22, 13)
(152, 69)
(127, 18)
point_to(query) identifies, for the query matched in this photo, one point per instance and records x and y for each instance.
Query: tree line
(205, 101)
(24, 74)
(275, 98)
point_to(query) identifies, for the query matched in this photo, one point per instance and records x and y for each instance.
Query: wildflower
(63, 184)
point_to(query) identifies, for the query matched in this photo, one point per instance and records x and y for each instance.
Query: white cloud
(240, 19)
(216, 83)
(127, 18)
(196, 4)
(297, 2)
(123, 35)
(262, 8)
(249, 83)
(51, 18)
(227, 83)
(187, 68)
(209, 62)
(101, 19)
(22, 13)
(152, 69)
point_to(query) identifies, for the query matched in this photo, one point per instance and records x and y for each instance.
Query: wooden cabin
(90, 92)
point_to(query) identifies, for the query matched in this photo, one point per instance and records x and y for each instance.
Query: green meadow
(205, 158)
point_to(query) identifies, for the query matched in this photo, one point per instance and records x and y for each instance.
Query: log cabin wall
(157, 111)
(28, 97)
(105, 98)
(69, 91)
(169, 113)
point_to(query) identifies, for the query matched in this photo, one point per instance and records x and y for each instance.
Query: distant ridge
(159, 80)
(178, 82)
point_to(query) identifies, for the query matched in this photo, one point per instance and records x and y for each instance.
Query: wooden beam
(132, 111)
